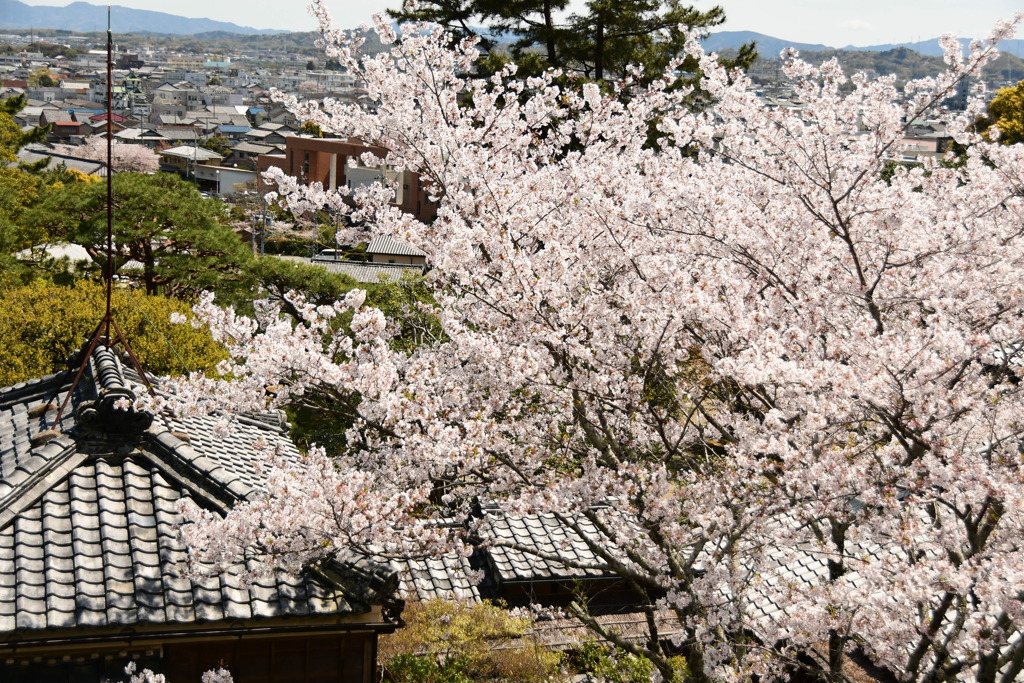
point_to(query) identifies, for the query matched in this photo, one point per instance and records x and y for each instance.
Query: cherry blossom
(124, 156)
(774, 388)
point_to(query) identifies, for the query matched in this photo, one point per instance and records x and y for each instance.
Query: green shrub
(610, 664)
(45, 323)
(452, 642)
(409, 668)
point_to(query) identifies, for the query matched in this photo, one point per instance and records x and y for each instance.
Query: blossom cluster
(730, 321)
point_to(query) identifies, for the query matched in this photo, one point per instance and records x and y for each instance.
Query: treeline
(48, 50)
(905, 63)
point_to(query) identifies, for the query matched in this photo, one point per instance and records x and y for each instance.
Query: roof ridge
(49, 465)
(23, 390)
(112, 414)
(200, 472)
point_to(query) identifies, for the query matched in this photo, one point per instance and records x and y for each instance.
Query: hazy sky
(833, 22)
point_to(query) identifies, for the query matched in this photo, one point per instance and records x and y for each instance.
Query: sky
(836, 23)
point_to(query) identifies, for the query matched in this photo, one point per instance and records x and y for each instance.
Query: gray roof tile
(387, 245)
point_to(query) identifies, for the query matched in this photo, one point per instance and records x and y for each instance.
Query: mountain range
(82, 16)
(769, 46)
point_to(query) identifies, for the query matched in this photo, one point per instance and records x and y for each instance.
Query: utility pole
(263, 226)
(260, 222)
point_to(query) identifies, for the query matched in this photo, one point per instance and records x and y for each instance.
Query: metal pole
(263, 226)
(110, 175)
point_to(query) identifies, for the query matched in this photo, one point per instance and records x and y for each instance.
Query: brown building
(326, 160)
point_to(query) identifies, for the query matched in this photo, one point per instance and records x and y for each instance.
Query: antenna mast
(109, 270)
(107, 332)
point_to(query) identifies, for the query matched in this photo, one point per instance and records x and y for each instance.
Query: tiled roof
(18, 458)
(190, 152)
(228, 458)
(456, 576)
(100, 548)
(449, 577)
(389, 246)
(89, 518)
(261, 133)
(362, 271)
(252, 148)
(545, 549)
(545, 535)
(32, 154)
(176, 133)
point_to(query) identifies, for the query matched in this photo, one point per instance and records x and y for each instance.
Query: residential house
(71, 88)
(31, 114)
(385, 249)
(244, 154)
(130, 97)
(231, 132)
(97, 123)
(149, 137)
(67, 131)
(179, 134)
(925, 138)
(257, 115)
(184, 158)
(224, 180)
(266, 136)
(176, 98)
(278, 113)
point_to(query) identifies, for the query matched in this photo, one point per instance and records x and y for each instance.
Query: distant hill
(82, 16)
(769, 46)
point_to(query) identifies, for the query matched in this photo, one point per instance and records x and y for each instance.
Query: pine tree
(598, 44)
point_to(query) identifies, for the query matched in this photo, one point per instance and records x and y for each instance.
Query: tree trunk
(836, 569)
(549, 34)
(150, 270)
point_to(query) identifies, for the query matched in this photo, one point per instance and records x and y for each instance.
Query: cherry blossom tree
(124, 156)
(775, 390)
(309, 88)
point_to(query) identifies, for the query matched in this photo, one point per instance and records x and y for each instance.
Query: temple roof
(90, 510)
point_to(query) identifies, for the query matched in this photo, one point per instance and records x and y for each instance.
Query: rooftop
(90, 508)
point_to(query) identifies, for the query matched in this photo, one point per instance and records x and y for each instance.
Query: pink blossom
(734, 352)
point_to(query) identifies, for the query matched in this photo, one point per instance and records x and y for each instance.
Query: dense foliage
(177, 240)
(44, 324)
(1006, 115)
(598, 43)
